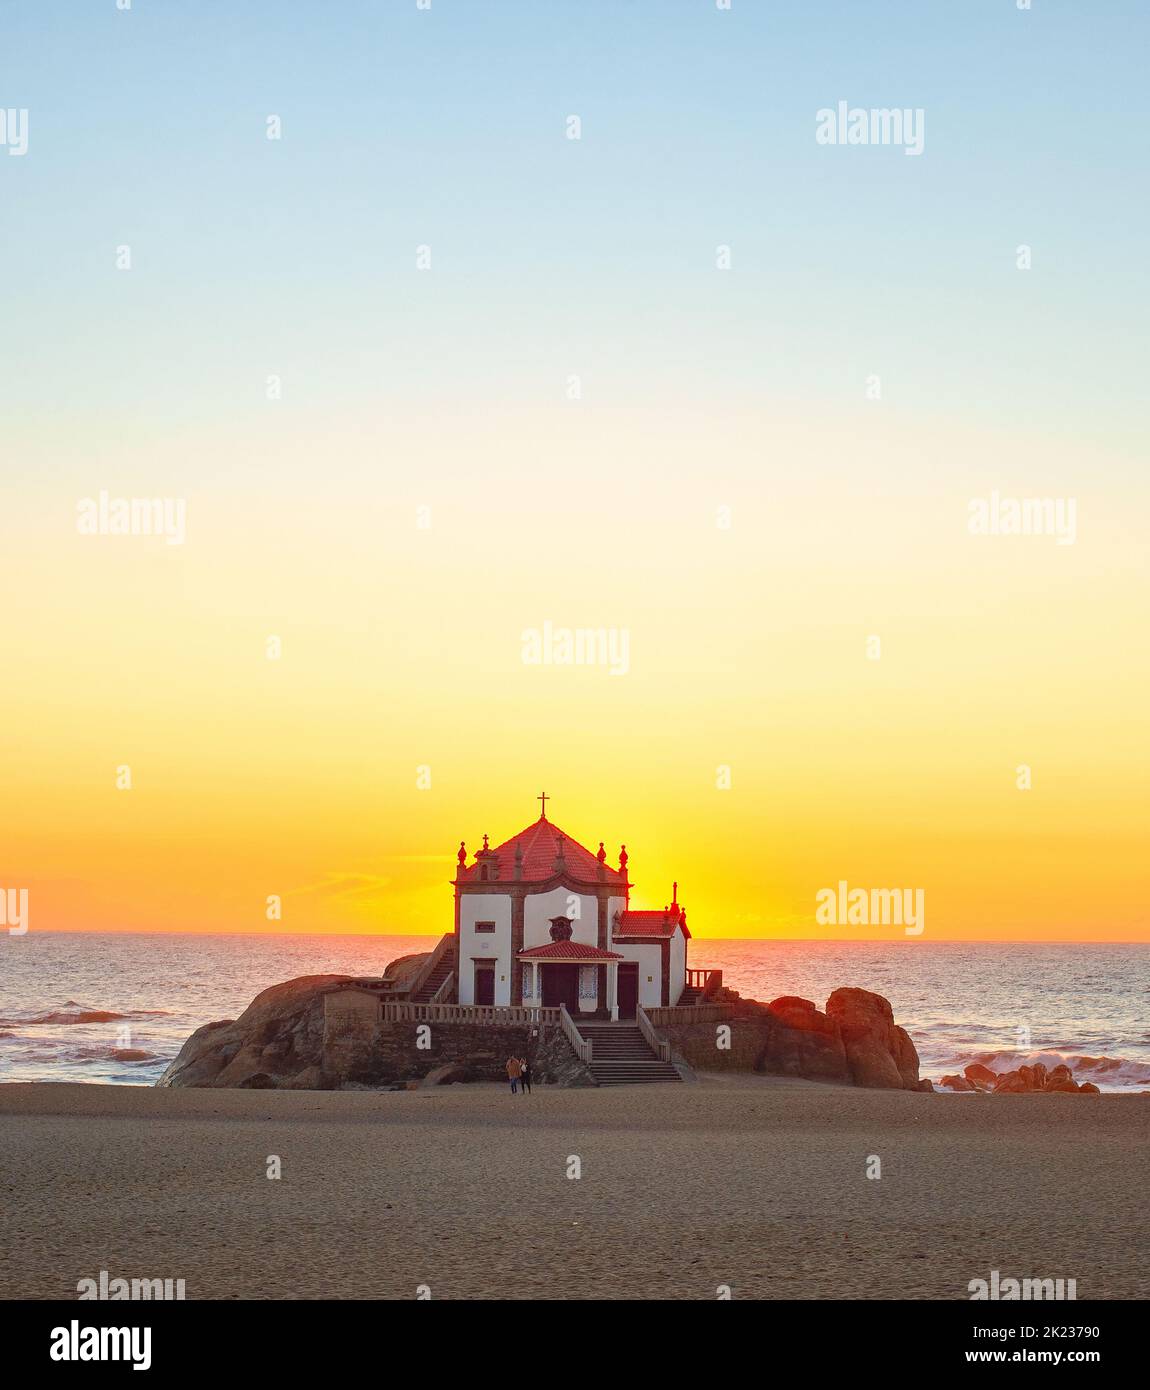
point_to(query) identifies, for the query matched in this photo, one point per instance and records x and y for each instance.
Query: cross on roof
(545, 799)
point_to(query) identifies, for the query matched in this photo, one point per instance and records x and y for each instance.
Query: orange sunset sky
(573, 409)
(402, 648)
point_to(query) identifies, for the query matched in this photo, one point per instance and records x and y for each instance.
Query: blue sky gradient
(446, 127)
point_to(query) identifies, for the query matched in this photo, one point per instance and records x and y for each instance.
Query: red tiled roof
(539, 850)
(657, 924)
(568, 950)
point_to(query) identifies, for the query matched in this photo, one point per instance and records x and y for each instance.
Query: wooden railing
(660, 1046)
(582, 1045)
(685, 1013)
(496, 1015)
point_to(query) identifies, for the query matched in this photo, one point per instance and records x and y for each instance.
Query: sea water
(115, 1008)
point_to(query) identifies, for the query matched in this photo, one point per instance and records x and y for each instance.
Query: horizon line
(823, 940)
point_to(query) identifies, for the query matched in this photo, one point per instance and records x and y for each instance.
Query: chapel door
(484, 984)
(561, 986)
(628, 988)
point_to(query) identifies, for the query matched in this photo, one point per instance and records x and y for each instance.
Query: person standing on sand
(525, 1075)
(514, 1068)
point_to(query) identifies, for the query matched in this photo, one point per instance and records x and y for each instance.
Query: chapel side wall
(650, 961)
(496, 946)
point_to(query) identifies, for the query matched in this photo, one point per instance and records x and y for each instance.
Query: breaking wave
(71, 1012)
(1107, 1073)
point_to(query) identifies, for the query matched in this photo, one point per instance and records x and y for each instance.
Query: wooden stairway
(621, 1056)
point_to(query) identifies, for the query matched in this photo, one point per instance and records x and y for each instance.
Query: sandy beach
(755, 1183)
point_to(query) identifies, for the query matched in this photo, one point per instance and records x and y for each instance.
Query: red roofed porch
(584, 978)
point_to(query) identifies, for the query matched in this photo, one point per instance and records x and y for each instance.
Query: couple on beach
(519, 1073)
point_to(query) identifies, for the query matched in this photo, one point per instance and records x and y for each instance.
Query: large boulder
(403, 969)
(879, 1053)
(279, 1036)
(980, 1077)
(803, 1042)
(446, 1074)
(855, 1041)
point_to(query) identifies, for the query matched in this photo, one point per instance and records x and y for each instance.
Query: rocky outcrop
(801, 1041)
(855, 1041)
(879, 1052)
(1021, 1081)
(446, 1075)
(978, 1075)
(323, 1032)
(276, 1041)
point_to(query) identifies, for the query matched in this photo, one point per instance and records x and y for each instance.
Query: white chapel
(540, 920)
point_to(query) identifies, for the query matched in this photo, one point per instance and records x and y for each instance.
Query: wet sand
(755, 1183)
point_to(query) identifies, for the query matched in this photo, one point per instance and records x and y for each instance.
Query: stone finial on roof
(623, 859)
(462, 855)
(602, 855)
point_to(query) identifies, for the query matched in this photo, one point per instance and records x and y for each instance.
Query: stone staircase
(443, 968)
(690, 995)
(621, 1056)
